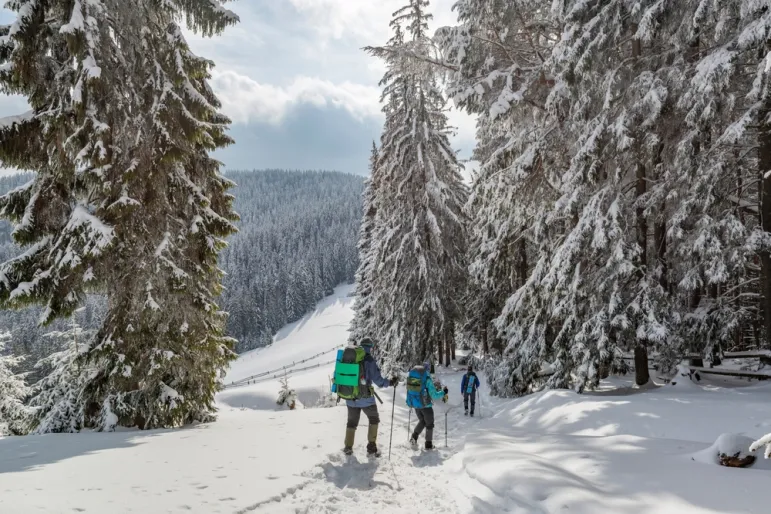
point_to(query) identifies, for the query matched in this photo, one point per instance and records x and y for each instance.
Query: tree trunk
(660, 235)
(447, 351)
(441, 349)
(485, 347)
(453, 347)
(641, 375)
(641, 351)
(764, 174)
(522, 267)
(660, 240)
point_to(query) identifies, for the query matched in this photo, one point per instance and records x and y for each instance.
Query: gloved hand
(444, 398)
(394, 381)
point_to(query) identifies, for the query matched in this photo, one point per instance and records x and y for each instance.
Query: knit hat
(367, 342)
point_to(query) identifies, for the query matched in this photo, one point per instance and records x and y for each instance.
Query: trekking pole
(409, 422)
(391, 439)
(445, 427)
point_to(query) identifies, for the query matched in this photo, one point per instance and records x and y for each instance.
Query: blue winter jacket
(372, 376)
(474, 383)
(432, 391)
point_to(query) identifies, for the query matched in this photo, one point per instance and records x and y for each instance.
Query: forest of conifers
(296, 241)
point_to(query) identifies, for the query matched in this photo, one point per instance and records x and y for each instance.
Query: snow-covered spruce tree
(496, 59)
(126, 201)
(364, 315)
(419, 239)
(55, 401)
(722, 224)
(607, 284)
(14, 415)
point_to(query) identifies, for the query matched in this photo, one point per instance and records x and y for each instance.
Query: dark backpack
(349, 381)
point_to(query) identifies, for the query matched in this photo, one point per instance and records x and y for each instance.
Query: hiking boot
(472, 414)
(429, 445)
(414, 442)
(348, 450)
(372, 450)
(466, 413)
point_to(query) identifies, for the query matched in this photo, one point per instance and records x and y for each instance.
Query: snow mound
(731, 445)
(683, 378)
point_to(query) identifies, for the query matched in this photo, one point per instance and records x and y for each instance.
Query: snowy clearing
(619, 449)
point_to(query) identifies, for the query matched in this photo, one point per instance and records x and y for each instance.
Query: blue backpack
(417, 388)
(470, 382)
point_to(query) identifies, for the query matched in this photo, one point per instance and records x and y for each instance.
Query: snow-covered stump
(730, 450)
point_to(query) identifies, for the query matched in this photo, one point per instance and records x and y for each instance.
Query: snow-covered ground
(616, 450)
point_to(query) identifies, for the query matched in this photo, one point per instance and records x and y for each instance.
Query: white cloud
(245, 100)
(363, 19)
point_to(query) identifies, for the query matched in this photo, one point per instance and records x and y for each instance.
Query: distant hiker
(468, 388)
(420, 392)
(355, 372)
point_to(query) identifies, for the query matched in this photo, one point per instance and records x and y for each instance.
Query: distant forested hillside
(297, 240)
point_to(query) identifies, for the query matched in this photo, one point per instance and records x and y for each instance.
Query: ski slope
(617, 450)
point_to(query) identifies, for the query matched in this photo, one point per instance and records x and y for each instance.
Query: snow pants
(425, 420)
(473, 396)
(354, 415)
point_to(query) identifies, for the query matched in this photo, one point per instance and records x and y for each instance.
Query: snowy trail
(411, 479)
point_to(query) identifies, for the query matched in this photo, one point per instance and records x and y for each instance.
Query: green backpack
(349, 371)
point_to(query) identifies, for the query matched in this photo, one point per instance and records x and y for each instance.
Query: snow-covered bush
(286, 396)
(13, 391)
(56, 402)
(327, 401)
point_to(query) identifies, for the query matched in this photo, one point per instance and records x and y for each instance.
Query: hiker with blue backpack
(420, 393)
(355, 373)
(468, 388)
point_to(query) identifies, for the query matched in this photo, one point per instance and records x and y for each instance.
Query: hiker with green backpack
(355, 373)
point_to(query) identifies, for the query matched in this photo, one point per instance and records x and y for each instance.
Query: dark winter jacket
(372, 376)
(474, 383)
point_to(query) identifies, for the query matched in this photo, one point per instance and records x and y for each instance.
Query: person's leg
(465, 402)
(374, 420)
(354, 414)
(473, 401)
(421, 423)
(429, 417)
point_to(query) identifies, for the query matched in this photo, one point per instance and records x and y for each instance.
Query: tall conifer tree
(126, 200)
(419, 239)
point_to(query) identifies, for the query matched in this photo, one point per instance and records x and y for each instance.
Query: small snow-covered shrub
(684, 378)
(286, 396)
(13, 391)
(57, 400)
(327, 401)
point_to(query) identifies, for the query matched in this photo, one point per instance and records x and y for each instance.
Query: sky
(293, 79)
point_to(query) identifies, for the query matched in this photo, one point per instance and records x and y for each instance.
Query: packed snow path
(412, 479)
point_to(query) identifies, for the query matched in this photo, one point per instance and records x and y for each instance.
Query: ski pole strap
(376, 396)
